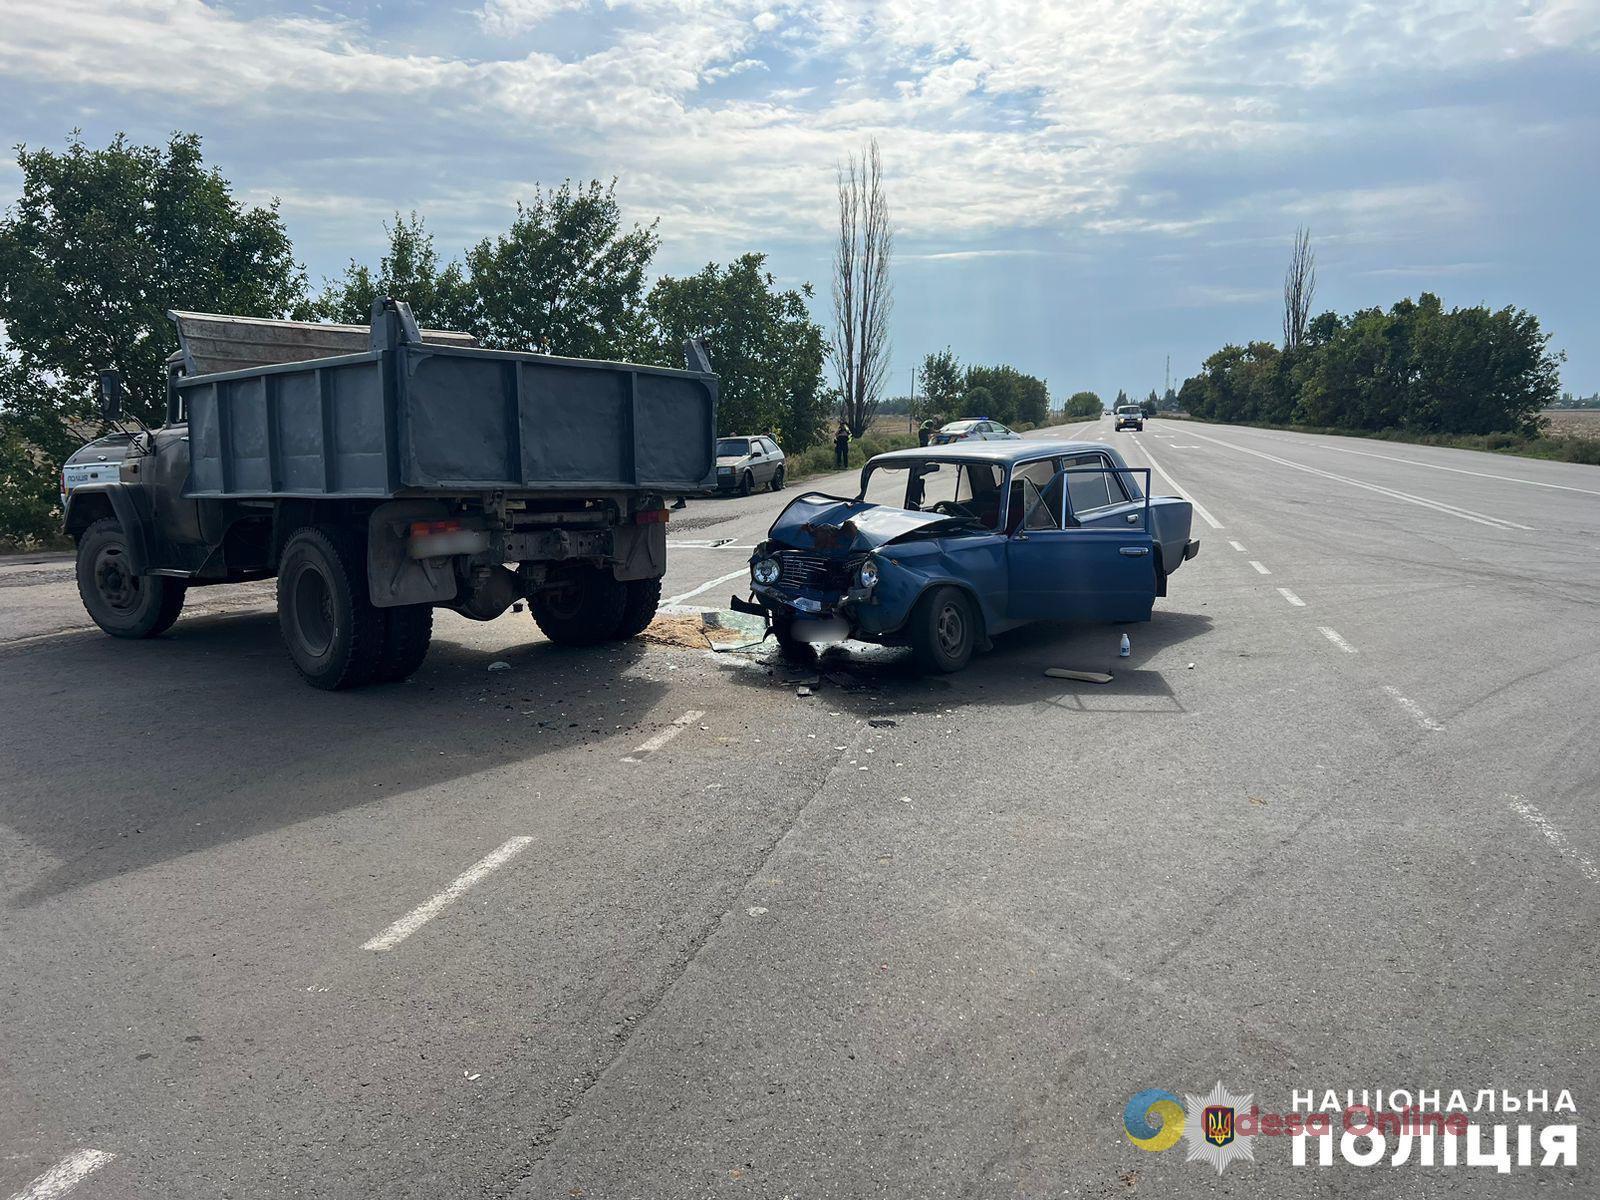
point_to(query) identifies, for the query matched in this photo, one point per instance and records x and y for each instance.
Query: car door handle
(1135, 551)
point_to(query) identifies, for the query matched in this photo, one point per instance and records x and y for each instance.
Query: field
(1574, 422)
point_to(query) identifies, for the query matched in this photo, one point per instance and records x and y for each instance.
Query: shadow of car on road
(879, 681)
(125, 754)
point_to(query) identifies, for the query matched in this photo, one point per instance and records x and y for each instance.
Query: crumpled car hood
(816, 522)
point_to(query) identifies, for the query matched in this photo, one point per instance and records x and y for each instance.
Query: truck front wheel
(642, 598)
(120, 602)
(334, 634)
(585, 609)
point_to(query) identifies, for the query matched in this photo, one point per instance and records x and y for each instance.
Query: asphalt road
(1331, 826)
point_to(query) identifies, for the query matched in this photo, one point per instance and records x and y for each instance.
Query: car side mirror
(111, 394)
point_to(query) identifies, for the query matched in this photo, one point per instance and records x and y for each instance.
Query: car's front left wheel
(944, 630)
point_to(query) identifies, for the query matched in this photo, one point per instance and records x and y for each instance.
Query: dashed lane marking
(1261, 568)
(1333, 636)
(665, 736)
(1423, 720)
(425, 912)
(1237, 547)
(1555, 837)
(65, 1175)
(1291, 598)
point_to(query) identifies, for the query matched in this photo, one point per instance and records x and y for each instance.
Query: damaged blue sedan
(944, 547)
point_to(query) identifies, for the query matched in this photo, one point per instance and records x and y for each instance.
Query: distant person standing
(841, 446)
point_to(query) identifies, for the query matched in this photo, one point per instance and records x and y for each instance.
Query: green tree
(942, 385)
(98, 247)
(1016, 398)
(1122, 399)
(566, 278)
(766, 350)
(1149, 404)
(978, 402)
(102, 243)
(1084, 404)
(410, 271)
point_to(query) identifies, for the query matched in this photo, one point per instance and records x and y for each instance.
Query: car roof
(994, 452)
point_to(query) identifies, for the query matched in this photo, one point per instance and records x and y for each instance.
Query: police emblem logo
(1209, 1128)
(1219, 1124)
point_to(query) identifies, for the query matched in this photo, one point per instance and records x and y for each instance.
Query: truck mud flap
(393, 578)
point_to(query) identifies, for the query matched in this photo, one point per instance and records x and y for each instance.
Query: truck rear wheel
(122, 603)
(407, 632)
(642, 598)
(334, 634)
(586, 609)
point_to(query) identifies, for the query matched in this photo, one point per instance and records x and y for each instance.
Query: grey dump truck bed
(398, 411)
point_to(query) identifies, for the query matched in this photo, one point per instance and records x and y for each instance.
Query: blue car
(946, 546)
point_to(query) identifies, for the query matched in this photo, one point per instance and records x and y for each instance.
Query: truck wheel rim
(952, 629)
(313, 611)
(117, 585)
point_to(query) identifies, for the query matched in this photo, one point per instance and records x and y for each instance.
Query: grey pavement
(906, 937)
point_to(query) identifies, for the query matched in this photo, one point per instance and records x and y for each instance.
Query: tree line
(1415, 367)
(103, 241)
(1001, 393)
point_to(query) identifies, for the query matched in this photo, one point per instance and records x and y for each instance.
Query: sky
(1080, 188)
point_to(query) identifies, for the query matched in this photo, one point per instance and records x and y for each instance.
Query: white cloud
(1005, 115)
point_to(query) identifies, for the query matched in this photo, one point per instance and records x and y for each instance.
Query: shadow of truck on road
(126, 754)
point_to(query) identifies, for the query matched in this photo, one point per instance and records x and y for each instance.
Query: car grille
(804, 570)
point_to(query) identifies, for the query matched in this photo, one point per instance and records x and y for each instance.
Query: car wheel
(747, 484)
(335, 636)
(122, 603)
(777, 480)
(585, 609)
(944, 630)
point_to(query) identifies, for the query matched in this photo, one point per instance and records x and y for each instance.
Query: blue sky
(1080, 189)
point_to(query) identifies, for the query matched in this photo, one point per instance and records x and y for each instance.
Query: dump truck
(381, 472)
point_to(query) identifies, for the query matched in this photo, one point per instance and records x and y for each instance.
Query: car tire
(641, 599)
(585, 610)
(122, 603)
(747, 484)
(944, 630)
(334, 634)
(407, 632)
(777, 480)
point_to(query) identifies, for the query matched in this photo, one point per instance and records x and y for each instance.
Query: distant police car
(974, 429)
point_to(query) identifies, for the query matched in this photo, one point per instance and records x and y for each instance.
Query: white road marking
(1183, 446)
(1291, 598)
(65, 1175)
(423, 913)
(666, 735)
(1236, 546)
(1555, 837)
(704, 587)
(707, 546)
(1173, 484)
(1413, 462)
(1466, 514)
(1333, 636)
(1415, 709)
(1260, 567)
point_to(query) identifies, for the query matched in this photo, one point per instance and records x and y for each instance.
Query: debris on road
(881, 722)
(802, 691)
(1125, 648)
(690, 631)
(1081, 676)
(500, 665)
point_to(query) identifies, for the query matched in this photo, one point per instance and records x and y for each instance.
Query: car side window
(1116, 483)
(1087, 490)
(769, 445)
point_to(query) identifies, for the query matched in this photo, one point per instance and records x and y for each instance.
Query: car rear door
(1088, 564)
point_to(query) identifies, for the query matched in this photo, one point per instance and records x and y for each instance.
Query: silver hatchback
(747, 463)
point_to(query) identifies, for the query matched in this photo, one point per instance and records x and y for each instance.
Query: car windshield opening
(967, 490)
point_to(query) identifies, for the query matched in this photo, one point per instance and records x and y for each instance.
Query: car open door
(1098, 567)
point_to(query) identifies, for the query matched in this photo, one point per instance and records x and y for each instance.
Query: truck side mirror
(111, 394)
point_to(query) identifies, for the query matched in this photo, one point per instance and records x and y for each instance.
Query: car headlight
(867, 575)
(765, 571)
